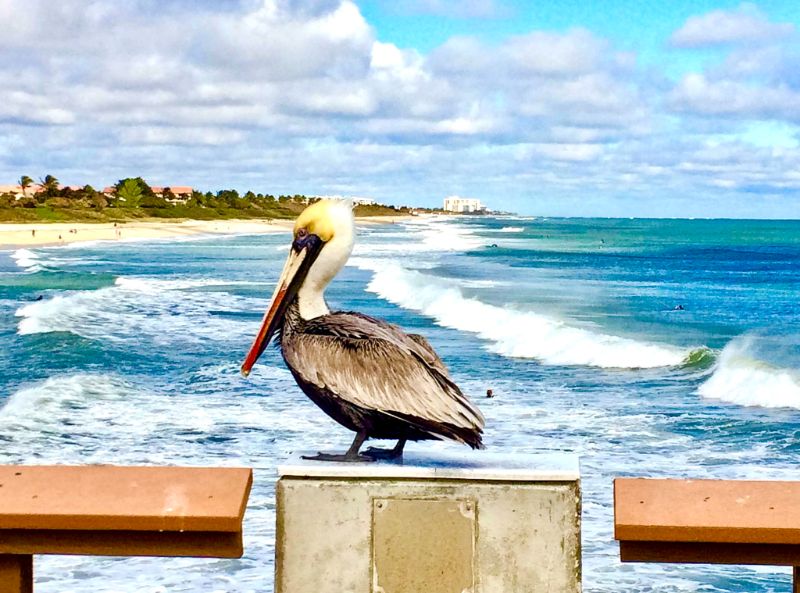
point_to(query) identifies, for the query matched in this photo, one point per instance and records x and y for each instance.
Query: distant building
(182, 193)
(459, 204)
(15, 190)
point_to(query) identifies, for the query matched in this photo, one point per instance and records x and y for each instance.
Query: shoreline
(20, 235)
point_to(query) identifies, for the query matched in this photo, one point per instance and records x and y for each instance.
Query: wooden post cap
(732, 511)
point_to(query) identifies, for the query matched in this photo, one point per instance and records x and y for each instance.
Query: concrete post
(476, 523)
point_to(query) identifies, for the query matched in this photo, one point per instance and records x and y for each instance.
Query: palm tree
(25, 182)
(49, 186)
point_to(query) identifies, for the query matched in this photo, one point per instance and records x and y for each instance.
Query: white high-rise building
(459, 204)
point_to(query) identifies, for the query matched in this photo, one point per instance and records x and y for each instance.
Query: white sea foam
(512, 229)
(124, 240)
(520, 218)
(162, 310)
(514, 333)
(107, 406)
(150, 285)
(33, 261)
(27, 259)
(739, 378)
(57, 399)
(429, 235)
(473, 283)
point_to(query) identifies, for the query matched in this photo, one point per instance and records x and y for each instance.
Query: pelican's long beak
(292, 277)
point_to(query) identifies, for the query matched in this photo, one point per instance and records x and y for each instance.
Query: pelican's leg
(395, 453)
(351, 455)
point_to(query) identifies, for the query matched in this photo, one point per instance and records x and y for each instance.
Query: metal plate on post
(423, 545)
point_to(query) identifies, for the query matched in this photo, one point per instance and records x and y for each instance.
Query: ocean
(646, 347)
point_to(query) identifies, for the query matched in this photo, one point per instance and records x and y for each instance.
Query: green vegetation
(134, 199)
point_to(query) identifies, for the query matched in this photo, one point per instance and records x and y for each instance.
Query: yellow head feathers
(324, 218)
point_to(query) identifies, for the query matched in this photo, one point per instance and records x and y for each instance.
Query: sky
(613, 108)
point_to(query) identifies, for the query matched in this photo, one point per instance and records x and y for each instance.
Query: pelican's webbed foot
(395, 453)
(352, 455)
(347, 457)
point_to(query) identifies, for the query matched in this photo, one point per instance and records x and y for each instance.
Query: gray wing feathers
(431, 358)
(375, 365)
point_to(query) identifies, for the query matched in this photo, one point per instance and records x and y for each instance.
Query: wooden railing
(708, 522)
(117, 511)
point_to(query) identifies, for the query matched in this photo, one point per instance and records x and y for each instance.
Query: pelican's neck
(331, 259)
(311, 303)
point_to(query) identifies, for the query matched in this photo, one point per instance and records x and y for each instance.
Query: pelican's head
(322, 241)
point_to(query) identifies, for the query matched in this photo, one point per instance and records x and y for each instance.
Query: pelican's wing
(431, 357)
(373, 364)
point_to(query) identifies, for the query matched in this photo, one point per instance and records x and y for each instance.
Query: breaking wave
(513, 333)
(27, 259)
(739, 378)
(163, 310)
(700, 359)
(424, 236)
(512, 229)
(49, 400)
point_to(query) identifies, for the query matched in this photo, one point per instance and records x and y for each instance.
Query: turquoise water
(129, 353)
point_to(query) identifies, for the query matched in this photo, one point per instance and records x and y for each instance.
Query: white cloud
(171, 135)
(567, 152)
(300, 96)
(30, 108)
(696, 93)
(275, 44)
(308, 68)
(576, 52)
(746, 24)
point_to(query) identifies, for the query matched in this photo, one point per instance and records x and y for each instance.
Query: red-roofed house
(16, 190)
(182, 193)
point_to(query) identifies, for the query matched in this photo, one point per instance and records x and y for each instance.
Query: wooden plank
(709, 553)
(16, 574)
(114, 498)
(201, 544)
(721, 511)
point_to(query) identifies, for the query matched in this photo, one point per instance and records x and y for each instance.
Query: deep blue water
(131, 355)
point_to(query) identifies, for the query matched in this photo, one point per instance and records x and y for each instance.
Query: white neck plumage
(331, 259)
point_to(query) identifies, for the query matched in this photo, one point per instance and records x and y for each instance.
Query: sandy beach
(39, 234)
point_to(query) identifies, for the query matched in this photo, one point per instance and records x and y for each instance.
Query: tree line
(133, 197)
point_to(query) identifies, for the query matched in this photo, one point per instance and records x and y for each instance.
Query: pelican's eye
(304, 239)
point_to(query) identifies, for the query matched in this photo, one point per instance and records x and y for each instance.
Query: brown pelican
(365, 373)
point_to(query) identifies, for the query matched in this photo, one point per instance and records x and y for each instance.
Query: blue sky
(615, 108)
